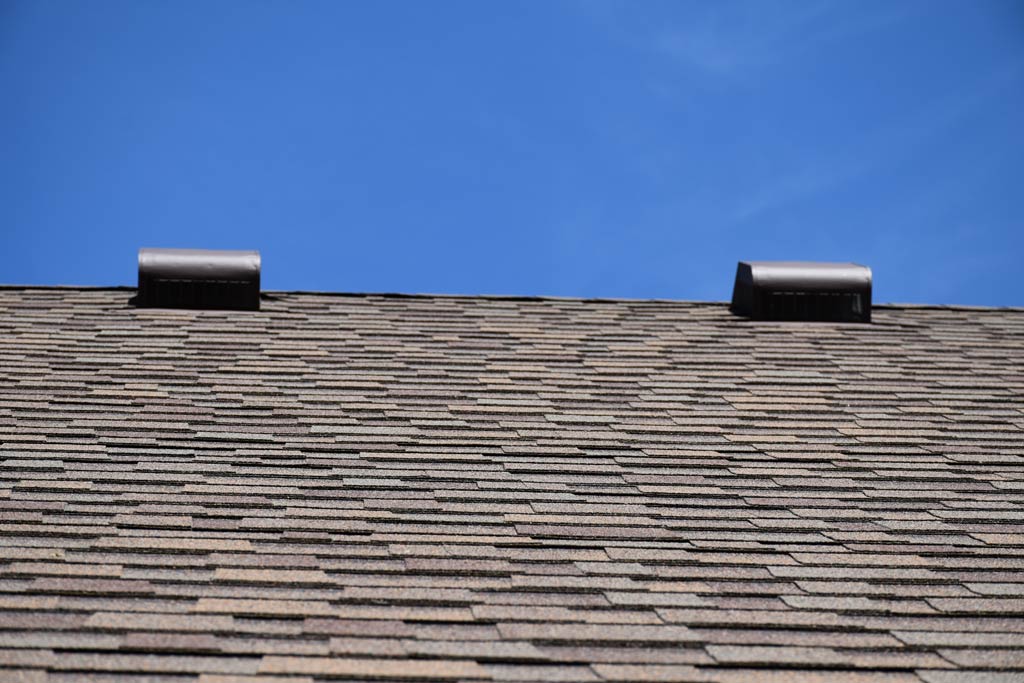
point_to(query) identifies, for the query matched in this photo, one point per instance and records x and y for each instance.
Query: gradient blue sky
(593, 148)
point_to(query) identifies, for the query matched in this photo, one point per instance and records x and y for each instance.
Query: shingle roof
(507, 489)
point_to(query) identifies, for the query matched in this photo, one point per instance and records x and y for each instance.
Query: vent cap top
(806, 275)
(199, 264)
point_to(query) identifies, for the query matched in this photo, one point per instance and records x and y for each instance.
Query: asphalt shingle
(473, 488)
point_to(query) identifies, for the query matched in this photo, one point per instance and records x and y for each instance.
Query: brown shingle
(259, 678)
(1012, 658)
(811, 676)
(138, 621)
(291, 576)
(534, 672)
(373, 668)
(666, 673)
(584, 633)
(290, 608)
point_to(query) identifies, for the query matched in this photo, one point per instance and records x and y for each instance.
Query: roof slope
(476, 489)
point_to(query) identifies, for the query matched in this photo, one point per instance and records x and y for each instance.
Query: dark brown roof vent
(802, 290)
(199, 278)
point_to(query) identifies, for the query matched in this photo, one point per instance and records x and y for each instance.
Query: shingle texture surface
(474, 489)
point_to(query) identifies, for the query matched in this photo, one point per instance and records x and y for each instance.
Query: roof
(470, 488)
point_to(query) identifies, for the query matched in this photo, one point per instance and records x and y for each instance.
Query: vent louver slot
(799, 290)
(199, 279)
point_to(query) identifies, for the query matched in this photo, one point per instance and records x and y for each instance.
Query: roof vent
(802, 290)
(199, 278)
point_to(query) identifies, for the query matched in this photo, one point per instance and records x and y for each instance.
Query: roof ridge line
(271, 293)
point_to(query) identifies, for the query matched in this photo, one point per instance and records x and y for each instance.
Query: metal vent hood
(802, 290)
(199, 279)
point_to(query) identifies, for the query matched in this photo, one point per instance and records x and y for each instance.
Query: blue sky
(634, 149)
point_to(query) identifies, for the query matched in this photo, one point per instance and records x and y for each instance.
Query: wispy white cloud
(727, 38)
(875, 149)
(730, 39)
(803, 183)
(726, 43)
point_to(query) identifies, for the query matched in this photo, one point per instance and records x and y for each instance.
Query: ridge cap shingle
(272, 293)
